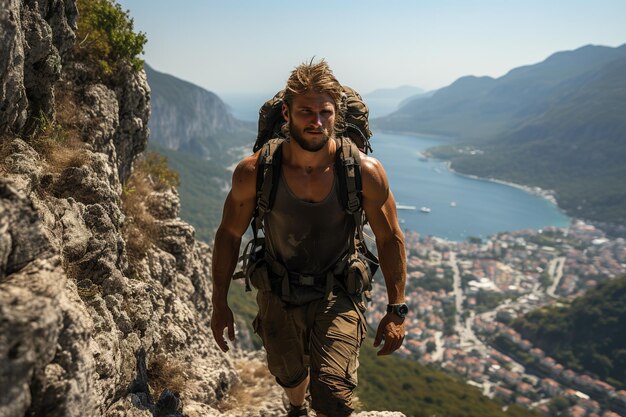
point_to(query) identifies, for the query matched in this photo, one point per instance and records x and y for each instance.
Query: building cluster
(522, 271)
(596, 258)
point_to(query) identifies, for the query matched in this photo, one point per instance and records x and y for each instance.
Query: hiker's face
(311, 120)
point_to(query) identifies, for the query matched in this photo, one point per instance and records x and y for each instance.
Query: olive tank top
(307, 238)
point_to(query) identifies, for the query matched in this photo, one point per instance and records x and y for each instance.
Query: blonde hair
(314, 77)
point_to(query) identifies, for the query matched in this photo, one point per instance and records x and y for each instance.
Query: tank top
(307, 238)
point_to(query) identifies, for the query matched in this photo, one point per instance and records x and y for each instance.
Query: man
(308, 231)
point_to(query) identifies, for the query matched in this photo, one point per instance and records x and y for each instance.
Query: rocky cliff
(83, 332)
(104, 292)
(186, 117)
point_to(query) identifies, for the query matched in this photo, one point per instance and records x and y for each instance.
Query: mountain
(577, 147)
(398, 93)
(186, 117)
(104, 291)
(478, 107)
(558, 125)
(419, 96)
(585, 335)
(381, 102)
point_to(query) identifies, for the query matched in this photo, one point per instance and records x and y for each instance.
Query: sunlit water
(460, 206)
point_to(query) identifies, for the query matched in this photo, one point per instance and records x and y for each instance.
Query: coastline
(436, 136)
(538, 191)
(548, 195)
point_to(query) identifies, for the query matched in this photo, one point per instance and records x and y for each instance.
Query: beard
(312, 145)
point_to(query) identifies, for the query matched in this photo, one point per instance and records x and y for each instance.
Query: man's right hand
(222, 318)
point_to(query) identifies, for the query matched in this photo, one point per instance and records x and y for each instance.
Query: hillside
(203, 187)
(586, 335)
(186, 117)
(557, 124)
(402, 384)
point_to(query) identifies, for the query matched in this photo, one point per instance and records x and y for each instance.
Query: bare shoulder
(374, 178)
(244, 177)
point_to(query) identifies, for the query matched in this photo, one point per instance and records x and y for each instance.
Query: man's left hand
(390, 329)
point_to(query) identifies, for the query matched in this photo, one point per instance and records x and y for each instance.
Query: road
(555, 269)
(458, 292)
(463, 327)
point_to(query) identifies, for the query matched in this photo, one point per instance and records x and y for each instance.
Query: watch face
(403, 310)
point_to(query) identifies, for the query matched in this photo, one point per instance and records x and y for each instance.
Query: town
(462, 295)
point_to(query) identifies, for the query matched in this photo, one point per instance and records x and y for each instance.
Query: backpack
(360, 263)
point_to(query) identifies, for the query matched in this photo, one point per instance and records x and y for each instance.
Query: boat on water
(453, 204)
(425, 209)
(405, 207)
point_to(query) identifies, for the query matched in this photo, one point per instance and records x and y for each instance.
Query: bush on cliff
(106, 36)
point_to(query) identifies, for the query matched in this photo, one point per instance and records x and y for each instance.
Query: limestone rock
(23, 238)
(13, 100)
(164, 205)
(36, 35)
(43, 339)
(132, 136)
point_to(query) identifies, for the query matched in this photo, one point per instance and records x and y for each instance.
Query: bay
(460, 206)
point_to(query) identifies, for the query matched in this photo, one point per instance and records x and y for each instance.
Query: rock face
(30, 58)
(80, 335)
(84, 329)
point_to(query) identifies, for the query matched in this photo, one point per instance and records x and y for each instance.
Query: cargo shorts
(323, 336)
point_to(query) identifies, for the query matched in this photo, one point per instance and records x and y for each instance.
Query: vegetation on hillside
(402, 384)
(106, 37)
(587, 335)
(203, 187)
(583, 188)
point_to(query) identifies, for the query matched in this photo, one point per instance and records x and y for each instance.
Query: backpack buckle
(353, 204)
(349, 161)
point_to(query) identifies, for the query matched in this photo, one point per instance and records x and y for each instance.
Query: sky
(251, 46)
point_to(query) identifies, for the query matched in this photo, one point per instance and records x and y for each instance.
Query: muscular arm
(380, 209)
(238, 210)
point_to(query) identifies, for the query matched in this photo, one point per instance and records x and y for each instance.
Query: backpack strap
(268, 172)
(348, 168)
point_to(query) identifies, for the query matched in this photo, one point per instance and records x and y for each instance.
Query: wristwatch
(399, 310)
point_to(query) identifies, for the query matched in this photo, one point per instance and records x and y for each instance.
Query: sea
(435, 200)
(459, 206)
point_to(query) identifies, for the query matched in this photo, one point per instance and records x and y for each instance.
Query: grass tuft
(140, 231)
(166, 373)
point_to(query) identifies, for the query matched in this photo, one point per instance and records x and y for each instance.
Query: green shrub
(106, 37)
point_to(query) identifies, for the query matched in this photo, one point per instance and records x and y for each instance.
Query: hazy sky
(233, 46)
